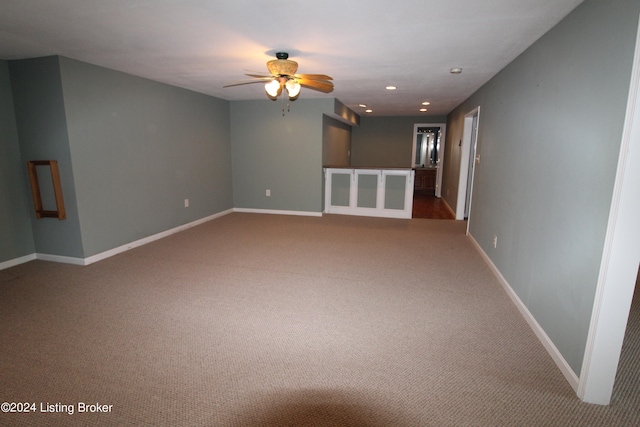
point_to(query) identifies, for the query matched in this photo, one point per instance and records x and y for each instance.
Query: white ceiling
(364, 45)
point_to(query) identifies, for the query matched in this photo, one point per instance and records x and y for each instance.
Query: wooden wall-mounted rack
(59, 212)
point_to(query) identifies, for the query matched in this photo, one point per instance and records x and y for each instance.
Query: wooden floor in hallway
(430, 207)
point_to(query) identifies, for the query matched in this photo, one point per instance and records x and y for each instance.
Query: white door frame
(620, 259)
(465, 152)
(443, 134)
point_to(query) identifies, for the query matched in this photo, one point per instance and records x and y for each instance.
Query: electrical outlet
(268, 193)
(495, 241)
(186, 203)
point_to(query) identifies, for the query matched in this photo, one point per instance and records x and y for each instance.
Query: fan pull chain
(288, 104)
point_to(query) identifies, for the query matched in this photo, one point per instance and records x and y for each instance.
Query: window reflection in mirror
(427, 147)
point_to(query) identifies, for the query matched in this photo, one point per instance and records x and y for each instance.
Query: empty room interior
(226, 213)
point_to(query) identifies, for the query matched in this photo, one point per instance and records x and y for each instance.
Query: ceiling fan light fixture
(272, 88)
(282, 76)
(293, 89)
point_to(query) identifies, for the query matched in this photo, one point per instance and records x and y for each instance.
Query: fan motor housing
(282, 66)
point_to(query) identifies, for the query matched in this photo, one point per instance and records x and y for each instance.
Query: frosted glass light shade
(293, 88)
(272, 88)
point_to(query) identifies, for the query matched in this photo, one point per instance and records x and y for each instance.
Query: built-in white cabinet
(369, 192)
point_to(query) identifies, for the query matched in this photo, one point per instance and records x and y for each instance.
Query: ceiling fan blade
(313, 76)
(260, 76)
(325, 87)
(246, 82)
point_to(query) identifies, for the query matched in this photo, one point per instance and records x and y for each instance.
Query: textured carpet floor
(266, 320)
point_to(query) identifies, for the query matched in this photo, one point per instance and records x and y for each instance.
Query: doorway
(468, 162)
(427, 155)
(427, 159)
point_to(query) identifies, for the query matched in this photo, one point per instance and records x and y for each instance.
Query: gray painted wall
(386, 141)
(15, 205)
(42, 131)
(139, 149)
(130, 152)
(336, 142)
(549, 136)
(283, 154)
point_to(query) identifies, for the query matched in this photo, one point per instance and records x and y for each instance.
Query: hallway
(430, 207)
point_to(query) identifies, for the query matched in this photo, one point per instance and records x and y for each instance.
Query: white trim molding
(153, 238)
(17, 261)
(61, 259)
(110, 252)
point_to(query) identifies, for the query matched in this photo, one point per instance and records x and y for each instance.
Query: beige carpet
(267, 320)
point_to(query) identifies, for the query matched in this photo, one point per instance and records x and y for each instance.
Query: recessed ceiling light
(426, 103)
(423, 109)
(362, 105)
(368, 110)
(456, 70)
(391, 88)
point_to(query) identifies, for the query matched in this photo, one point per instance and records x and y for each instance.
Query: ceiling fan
(282, 75)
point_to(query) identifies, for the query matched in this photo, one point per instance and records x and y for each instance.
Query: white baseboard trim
(153, 238)
(141, 242)
(448, 207)
(17, 261)
(277, 212)
(110, 252)
(61, 259)
(551, 348)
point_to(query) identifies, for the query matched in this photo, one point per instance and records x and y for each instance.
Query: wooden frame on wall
(59, 212)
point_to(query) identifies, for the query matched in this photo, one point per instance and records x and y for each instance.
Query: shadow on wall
(318, 408)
